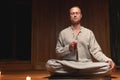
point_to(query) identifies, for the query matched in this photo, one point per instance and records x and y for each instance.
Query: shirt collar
(71, 27)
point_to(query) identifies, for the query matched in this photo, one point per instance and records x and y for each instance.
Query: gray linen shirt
(87, 46)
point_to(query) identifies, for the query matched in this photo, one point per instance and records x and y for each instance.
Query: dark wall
(15, 42)
(115, 30)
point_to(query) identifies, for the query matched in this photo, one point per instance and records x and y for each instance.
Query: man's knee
(49, 65)
(52, 65)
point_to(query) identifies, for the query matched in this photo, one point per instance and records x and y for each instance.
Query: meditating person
(76, 46)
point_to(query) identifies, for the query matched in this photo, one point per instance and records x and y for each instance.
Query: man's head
(75, 15)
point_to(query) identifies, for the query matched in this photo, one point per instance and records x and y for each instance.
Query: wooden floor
(42, 75)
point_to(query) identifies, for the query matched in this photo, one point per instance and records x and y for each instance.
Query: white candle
(28, 78)
(0, 75)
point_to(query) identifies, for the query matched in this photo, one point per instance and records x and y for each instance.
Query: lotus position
(76, 45)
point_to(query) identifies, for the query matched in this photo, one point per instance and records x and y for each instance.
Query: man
(75, 47)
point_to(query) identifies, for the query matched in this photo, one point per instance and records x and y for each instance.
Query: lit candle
(28, 78)
(0, 73)
(0, 76)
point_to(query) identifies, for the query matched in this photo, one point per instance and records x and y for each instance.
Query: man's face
(75, 15)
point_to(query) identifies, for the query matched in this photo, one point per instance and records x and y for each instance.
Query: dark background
(18, 40)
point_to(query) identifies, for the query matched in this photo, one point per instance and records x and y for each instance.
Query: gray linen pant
(63, 67)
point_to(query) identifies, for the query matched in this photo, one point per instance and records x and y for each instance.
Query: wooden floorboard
(43, 75)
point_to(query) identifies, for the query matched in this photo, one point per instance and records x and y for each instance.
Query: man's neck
(76, 26)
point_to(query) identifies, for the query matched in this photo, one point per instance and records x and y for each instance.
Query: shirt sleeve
(61, 48)
(95, 49)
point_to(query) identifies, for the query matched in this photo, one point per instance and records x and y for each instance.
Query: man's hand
(112, 66)
(73, 46)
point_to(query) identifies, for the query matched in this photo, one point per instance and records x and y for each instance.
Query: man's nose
(75, 15)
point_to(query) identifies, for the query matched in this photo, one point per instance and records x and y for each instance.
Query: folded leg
(77, 68)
